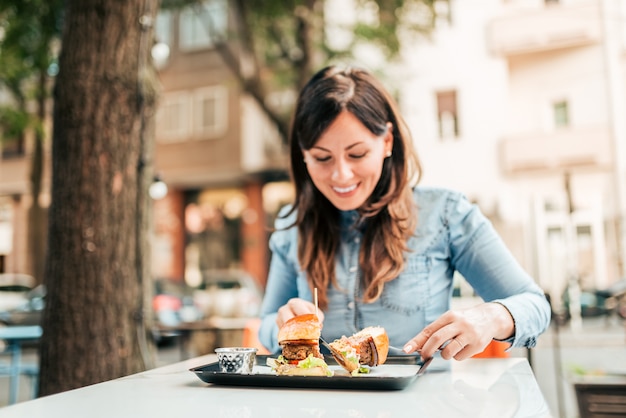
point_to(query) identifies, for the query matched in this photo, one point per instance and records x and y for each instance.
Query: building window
(561, 114)
(447, 114)
(202, 25)
(196, 114)
(173, 118)
(210, 112)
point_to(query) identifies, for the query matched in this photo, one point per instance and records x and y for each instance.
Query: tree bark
(97, 260)
(37, 214)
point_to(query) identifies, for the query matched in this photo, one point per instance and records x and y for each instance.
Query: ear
(388, 139)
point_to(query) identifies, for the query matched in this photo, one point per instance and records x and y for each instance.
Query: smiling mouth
(345, 189)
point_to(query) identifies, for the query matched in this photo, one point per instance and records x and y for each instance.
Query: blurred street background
(519, 104)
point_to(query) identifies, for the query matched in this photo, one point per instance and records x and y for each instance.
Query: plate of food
(385, 377)
(358, 362)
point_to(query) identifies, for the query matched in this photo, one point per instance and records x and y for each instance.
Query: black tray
(397, 373)
(410, 359)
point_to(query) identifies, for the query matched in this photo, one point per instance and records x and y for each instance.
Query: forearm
(268, 331)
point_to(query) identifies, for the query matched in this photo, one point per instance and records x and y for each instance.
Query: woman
(378, 249)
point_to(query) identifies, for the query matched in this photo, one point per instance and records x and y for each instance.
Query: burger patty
(364, 346)
(299, 351)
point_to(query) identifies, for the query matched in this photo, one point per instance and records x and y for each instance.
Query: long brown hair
(389, 214)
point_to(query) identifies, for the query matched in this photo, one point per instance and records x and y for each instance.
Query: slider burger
(367, 347)
(299, 341)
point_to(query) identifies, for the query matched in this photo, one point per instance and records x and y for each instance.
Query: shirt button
(352, 269)
(351, 305)
(357, 240)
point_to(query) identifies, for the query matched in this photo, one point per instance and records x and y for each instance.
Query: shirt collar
(347, 218)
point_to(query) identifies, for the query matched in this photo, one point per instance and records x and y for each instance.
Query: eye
(359, 155)
(322, 159)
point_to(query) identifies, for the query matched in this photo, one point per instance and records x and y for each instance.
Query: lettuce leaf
(311, 362)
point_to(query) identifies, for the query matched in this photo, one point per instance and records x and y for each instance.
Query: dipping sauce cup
(236, 359)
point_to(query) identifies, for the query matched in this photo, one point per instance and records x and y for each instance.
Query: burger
(367, 347)
(299, 341)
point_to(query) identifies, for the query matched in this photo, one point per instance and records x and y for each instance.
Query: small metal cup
(236, 359)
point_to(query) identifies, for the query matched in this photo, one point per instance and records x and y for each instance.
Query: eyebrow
(348, 148)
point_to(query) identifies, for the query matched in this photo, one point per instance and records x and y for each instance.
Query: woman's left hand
(295, 307)
(463, 333)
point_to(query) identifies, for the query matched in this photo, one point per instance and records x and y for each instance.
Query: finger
(283, 315)
(417, 342)
(471, 349)
(300, 306)
(455, 348)
(320, 316)
(464, 354)
(432, 337)
(435, 343)
(294, 307)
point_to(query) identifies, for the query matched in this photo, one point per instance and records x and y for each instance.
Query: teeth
(345, 189)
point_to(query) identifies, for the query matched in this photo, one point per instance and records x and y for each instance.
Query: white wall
(536, 81)
(458, 59)
(500, 97)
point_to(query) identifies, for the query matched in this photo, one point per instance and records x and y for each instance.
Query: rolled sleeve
(480, 255)
(530, 316)
(281, 282)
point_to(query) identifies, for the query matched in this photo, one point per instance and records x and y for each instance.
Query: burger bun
(299, 328)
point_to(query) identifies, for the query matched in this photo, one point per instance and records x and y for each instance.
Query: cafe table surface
(503, 387)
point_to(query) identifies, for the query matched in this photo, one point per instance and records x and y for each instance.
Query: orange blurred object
(495, 349)
(166, 302)
(251, 336)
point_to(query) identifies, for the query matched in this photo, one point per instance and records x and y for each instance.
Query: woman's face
(346, 162)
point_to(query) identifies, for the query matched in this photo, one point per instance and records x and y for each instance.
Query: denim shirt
(452, 235)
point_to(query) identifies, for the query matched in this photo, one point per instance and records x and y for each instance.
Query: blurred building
(15, 196)
(222, 161)
(520, 104)
(517, 103)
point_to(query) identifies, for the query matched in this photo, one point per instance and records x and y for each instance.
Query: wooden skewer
(315, 300)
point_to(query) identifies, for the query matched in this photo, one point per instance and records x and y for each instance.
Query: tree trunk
(94, 320)
(37, 214)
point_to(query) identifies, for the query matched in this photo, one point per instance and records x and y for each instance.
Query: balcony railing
(551, 27)
(14, 175)
(583, 148)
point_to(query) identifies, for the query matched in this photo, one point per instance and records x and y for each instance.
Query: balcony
(581, 148)
(14, 174)
(549, 28)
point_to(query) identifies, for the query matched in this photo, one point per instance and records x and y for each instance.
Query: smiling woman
(380, 250)
(346, 162)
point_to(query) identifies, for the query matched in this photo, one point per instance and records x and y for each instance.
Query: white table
(477, 388)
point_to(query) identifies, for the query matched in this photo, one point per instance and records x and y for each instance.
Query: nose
(341, 171)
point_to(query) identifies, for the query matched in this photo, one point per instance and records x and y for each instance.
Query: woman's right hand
(295, 307)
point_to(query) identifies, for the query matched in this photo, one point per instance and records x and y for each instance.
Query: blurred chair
(251, 336)
(601, 398)
(16, 281)
(14, 337)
